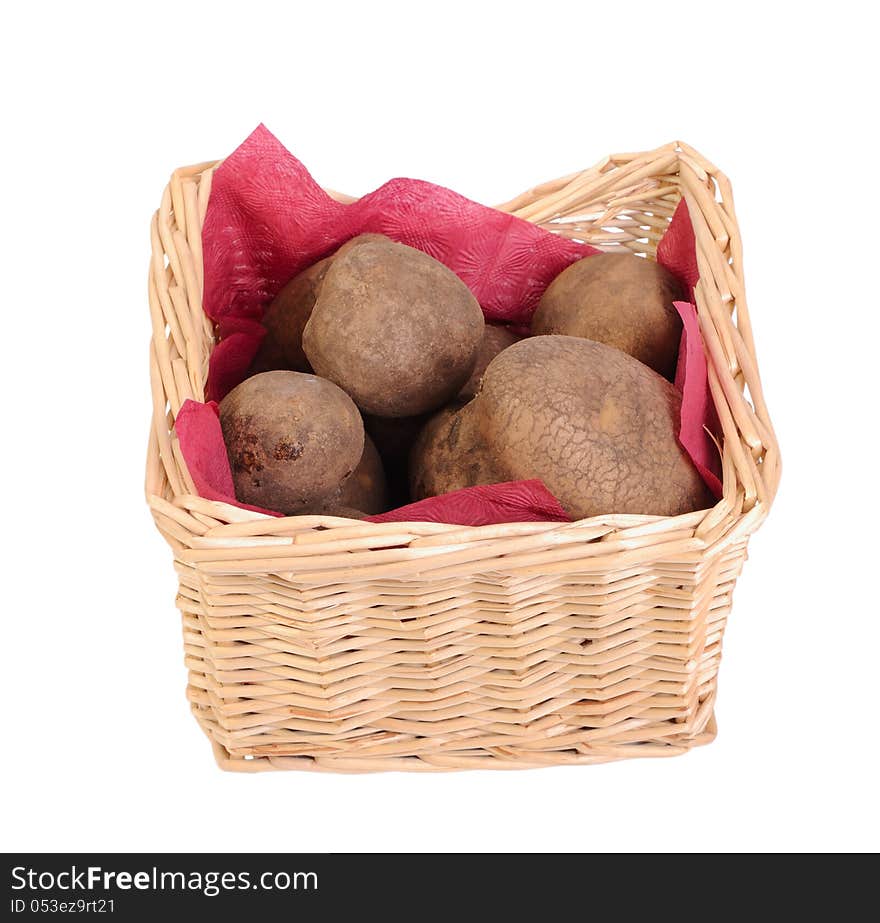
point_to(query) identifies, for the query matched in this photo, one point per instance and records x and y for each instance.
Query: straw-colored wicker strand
(317, 642)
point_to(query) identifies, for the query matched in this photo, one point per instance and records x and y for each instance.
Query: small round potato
(394, 328)
(618, 299)
(291, 439)
(364, 489)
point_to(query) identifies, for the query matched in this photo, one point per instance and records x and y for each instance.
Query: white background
(100, 103)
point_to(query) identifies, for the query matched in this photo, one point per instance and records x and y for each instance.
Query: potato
(618, 299)
(595, 425)
(495, 339)
(394, 328)
(450, 454)
(286, 318)
(364, 489)
(344, 512)
(291, 439)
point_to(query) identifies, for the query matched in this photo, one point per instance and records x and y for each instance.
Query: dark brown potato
(394, 328)
(291, 439)
(286, 318)
(495, 339)
(449, 454)
(344, 512)
(394, 436)
(364, 489)
(618, 299)
(595, 425)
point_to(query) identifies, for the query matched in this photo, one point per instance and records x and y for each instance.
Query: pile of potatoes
(379, 382)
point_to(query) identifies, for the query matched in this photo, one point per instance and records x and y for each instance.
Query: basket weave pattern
(321, 643)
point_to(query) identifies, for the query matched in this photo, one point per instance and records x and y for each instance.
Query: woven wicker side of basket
(324, 643)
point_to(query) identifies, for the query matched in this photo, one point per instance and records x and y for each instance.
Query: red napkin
(514, 501)
(677, 251)
(267, 219)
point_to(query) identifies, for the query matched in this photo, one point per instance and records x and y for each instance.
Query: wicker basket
(321, 643)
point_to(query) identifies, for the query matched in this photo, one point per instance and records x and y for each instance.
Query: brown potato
(291, 439)
(344, 512)
(286, 318)
(618, 299)
(595, 425)
(449, 454)
(364, 489)
(394, 328)
(495, 339)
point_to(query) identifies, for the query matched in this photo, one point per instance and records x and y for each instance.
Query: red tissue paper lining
(487, 505)
(267, 220)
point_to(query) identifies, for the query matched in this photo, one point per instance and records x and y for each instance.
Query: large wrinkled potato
(394, 328)
(618, 299)
(291, 439)
(595, 425)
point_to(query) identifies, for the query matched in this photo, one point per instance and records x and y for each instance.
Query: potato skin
(495, 339)
(344, 512)
(394, 328)
(286, 318)
(291, 439)
(597, 426)
(618, 299)
(364, 490)
(450, 454)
